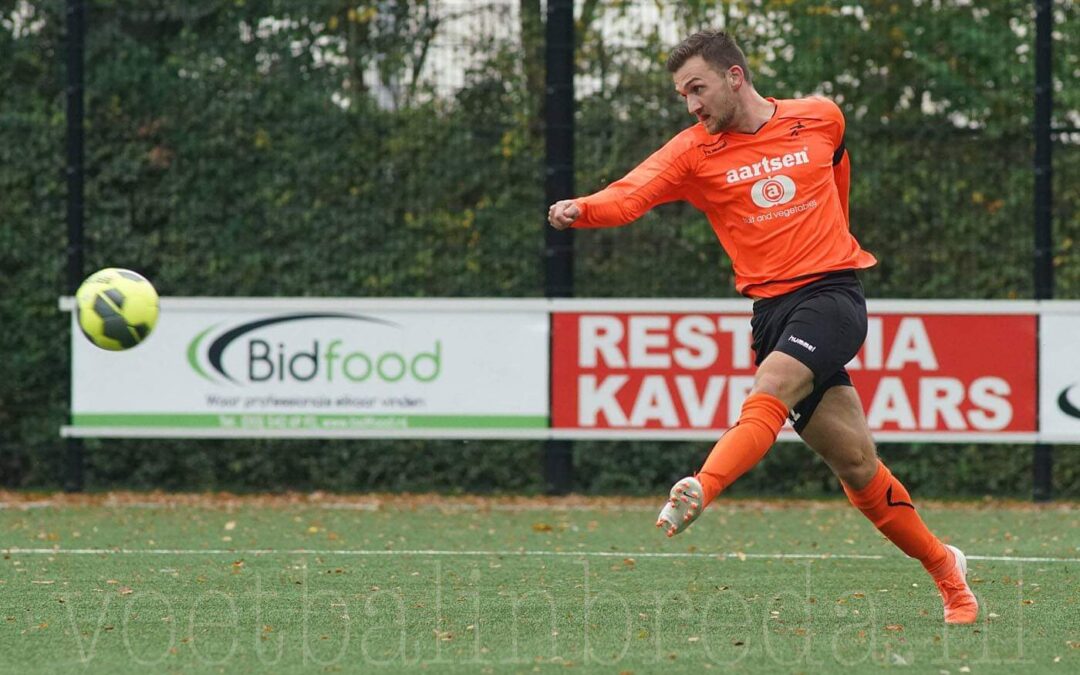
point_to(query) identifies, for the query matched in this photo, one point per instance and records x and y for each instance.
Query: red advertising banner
(921, 376)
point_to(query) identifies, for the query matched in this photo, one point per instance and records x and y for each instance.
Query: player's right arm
(562, 214)
(656, 180)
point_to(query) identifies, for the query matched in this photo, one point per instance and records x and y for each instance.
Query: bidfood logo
(1065, 405)
(269, 350)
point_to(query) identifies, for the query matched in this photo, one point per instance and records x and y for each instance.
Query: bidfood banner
(264, 367)
(941, 371)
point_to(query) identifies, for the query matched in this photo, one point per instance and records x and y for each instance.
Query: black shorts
(822, 324)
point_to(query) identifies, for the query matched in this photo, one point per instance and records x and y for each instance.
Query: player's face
(710, 96)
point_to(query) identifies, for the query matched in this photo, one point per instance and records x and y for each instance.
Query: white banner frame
(457, 421)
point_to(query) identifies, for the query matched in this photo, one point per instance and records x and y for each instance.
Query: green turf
(323, 610)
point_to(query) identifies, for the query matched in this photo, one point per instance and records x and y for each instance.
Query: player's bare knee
(856, 467)
(788, 389)
(766, 385)
(861, 474)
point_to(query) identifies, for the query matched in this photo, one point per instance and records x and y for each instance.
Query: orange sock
(743, 445)
(887, 504)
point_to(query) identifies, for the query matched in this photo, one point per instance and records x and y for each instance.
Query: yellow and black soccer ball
(117, 308)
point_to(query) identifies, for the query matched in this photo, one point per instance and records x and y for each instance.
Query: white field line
(504, 553)
(348, 506)
(448, 507)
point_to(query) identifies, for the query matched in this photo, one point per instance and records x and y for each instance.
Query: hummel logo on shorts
(802, 343)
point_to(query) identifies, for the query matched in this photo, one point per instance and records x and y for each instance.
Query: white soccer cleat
(683, 507)
(961, 607)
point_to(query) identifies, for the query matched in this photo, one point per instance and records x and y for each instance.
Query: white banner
(309, 367)
(1059, 373)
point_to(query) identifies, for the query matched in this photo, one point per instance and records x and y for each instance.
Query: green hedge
(497, 467)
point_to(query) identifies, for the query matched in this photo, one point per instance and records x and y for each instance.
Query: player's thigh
(784, 377)
(839, 433)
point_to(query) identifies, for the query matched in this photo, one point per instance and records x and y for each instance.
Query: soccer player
(772, 177)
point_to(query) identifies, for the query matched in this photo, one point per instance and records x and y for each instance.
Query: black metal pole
(559, 184)
(559, 136)
(76, 30)
(1043, 458)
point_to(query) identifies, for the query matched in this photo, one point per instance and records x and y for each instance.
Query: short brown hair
(715, 46)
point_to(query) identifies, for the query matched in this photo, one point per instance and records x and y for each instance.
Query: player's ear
(735, 77)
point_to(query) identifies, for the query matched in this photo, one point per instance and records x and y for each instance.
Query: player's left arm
(842, 176)
(841, 161)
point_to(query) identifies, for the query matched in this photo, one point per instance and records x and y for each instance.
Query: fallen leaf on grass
(894, 627)
(542, 527)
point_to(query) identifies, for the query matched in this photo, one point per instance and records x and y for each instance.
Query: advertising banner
(352, 368)
(931, 371)
(1059, 382)
(945, 372)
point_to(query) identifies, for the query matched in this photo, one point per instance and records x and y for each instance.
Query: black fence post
(559, 184)
(76, 31)
(1042, 458)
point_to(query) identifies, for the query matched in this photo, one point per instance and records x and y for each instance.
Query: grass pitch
(322, 584)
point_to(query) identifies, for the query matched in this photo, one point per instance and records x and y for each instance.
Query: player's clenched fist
(562, 214)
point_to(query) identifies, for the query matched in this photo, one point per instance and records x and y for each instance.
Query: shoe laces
(951, 584)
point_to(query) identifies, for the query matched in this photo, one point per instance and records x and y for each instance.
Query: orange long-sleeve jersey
(777, 199)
